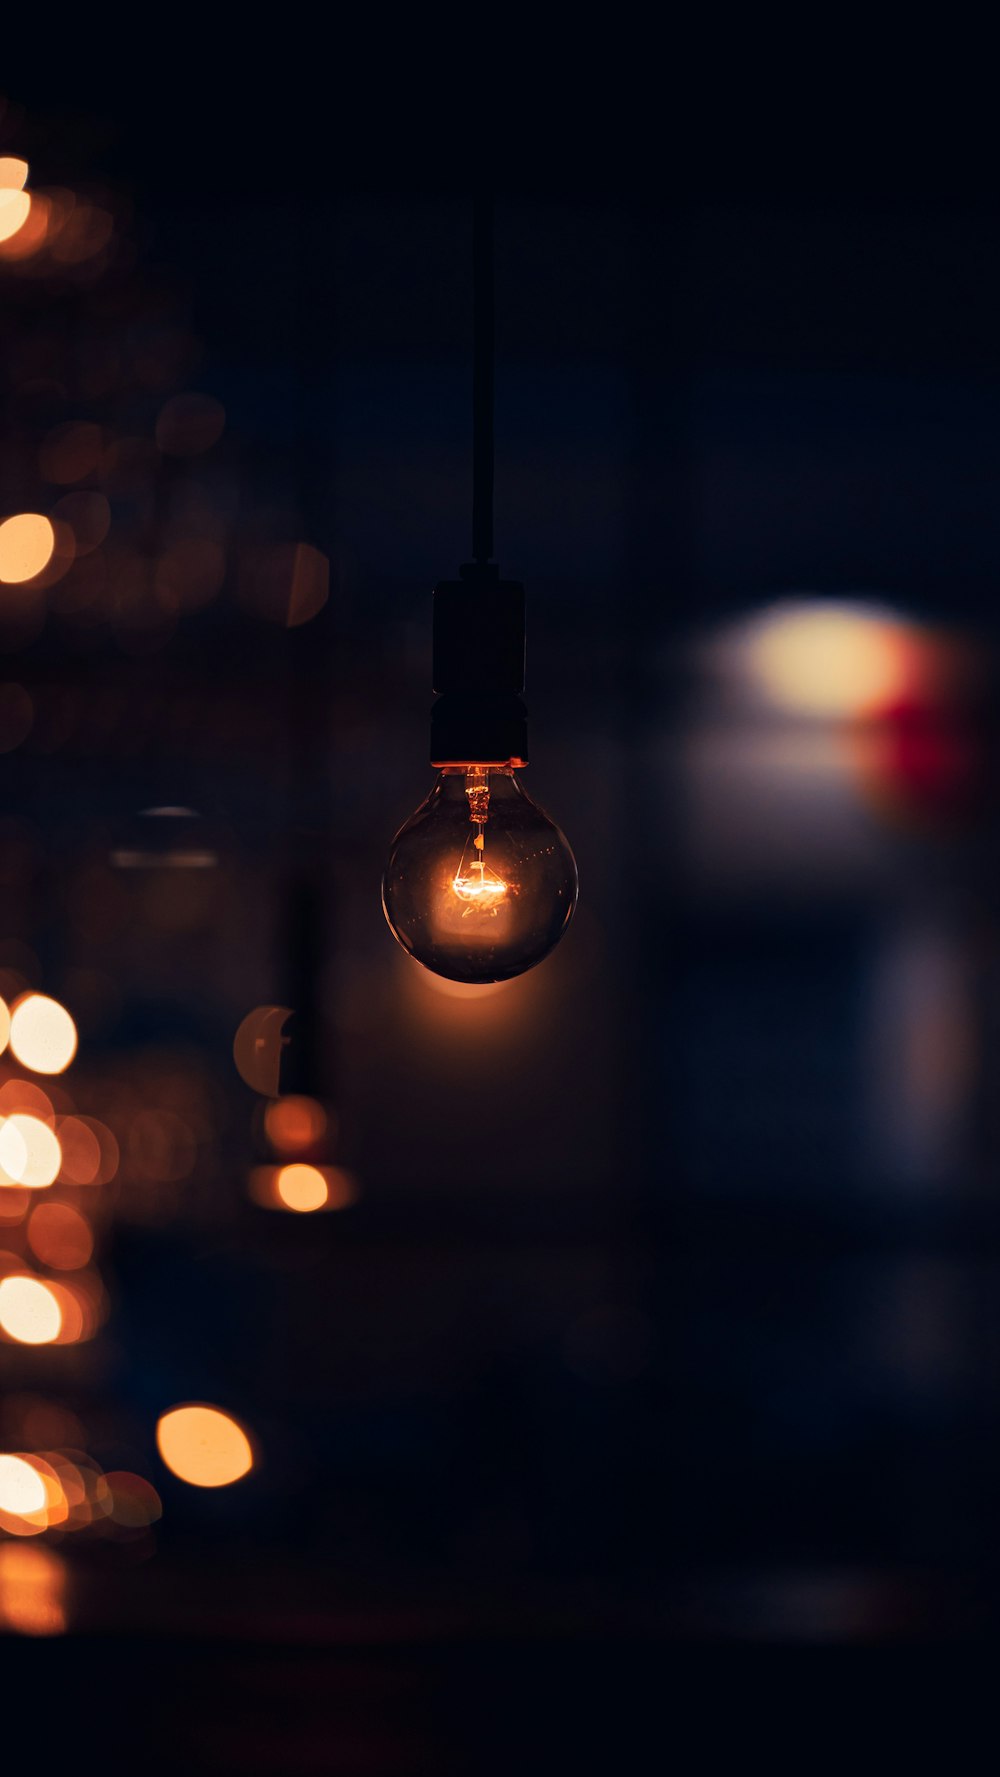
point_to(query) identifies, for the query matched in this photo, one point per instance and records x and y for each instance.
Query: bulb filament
(474, 882)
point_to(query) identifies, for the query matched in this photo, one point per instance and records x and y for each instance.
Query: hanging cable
(482, 378)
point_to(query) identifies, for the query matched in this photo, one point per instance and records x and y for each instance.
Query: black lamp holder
(479, 717)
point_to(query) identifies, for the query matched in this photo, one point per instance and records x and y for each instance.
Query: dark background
(666, 1316)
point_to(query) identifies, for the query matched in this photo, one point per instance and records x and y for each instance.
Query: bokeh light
(203, 1446)
(90, 1153)
(257, 1047)
(60, 1236)
(829, 658)
(301, 1187)
(4, 1026)
(42, 1034)
(26, 1095)
(15, 1202)
(32, 1590)
(294, 1124)
(15, 208)
(13, 172)
(33, 231)
(29, 1311)
(30, 1153)
(27, 541)
(286, 583)
(32, 1496)
(22, 1490)
(83, 1304)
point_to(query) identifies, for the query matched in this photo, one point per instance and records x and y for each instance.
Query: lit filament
(475, 883)
(483, 890)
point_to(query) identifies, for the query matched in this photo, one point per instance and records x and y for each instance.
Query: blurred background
(358, 1329)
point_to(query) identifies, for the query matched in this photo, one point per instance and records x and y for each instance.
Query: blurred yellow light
(42, 1034)
(830, 659)
(295, 1123)
(32, 1589)
(15, 208)
(29, 1152)
(29, 1311)
(301, 1187)
(13, 172)
(4, 1026)
(32, 233)
(22, 1490)
(27, 540)
(203, 1446)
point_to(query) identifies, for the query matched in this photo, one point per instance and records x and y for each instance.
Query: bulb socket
(479, 718)
(478, 731)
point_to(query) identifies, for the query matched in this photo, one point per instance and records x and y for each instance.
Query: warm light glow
(25, 1095)
(294, 1124)
(15, 208)
(301, 1187)
(42, 1034)
(479, 885)
(830, 659)
(32, 233)
(30, 1153)
(483, 890)
(60, 1236)
(32, 1589)
(78, 1312)
(4, 1026)
(13, 172)
(32, 1499)
(29, 1311)
(203, 1446)
(454, 990)
(22, 1490)
(26, 544)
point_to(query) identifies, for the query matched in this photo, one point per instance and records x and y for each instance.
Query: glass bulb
(480, 884)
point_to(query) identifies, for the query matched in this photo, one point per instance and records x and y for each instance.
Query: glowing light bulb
(480, 885)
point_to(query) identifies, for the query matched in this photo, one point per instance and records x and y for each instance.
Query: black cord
(482, 384)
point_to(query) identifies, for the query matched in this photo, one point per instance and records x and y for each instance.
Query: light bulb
(480, 885)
